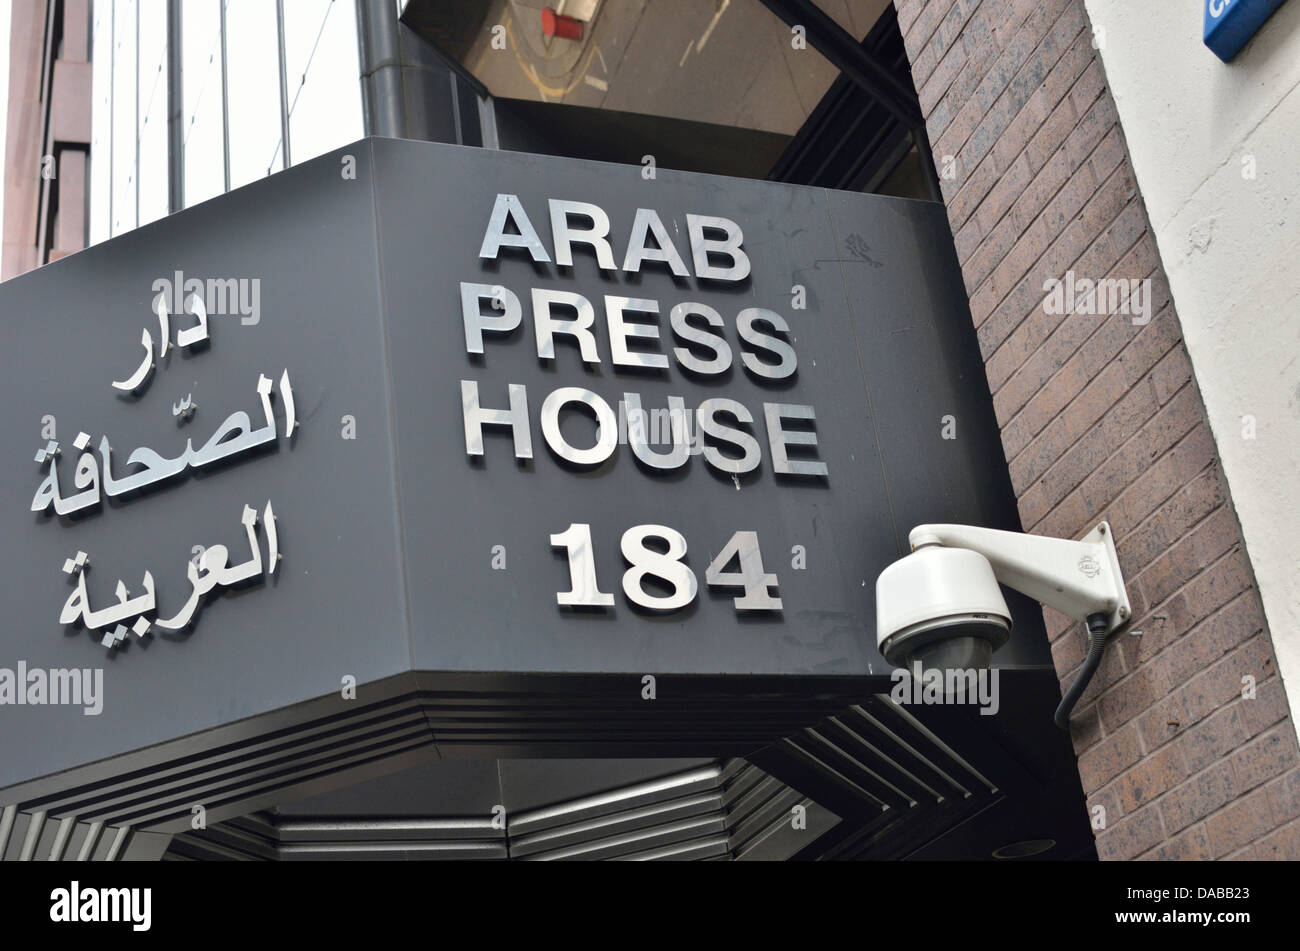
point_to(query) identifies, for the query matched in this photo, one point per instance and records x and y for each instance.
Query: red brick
(1210, 680)
(1188, 846)
(1136, 456)
(1040, 105)
(1163, 528)
(917, 33)
(1284, 797)
(1010, 186)
(937, 83)
(1085, 727)
(1071, 518)
(908, 11)
(1052, 133)
(1109, 802)
(1190, 555)
(1093, 125)
(1239, 823)
(1109, 758)
(1219, 585)
(1109, 154)
(1156, 485)
(1199, 796)
(1266, 707)
(963, 123)
(1213, 738)
(1155, 774)
(1068, 653)
(1154, 339)
(1164, 721)
(1132, 411)
(1006, 299)
(1270, 755)
(1282, 846)
(983, 44)
(1171, 373)
(1135, 693)
(1019, 51)
(1131, 836)
(1109, 672)
(1065, 429)
(1089, 86)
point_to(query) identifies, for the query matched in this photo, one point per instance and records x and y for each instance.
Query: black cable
(1096, 644)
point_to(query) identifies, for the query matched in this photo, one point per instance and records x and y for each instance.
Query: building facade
(1102, 334)
(1073, 140)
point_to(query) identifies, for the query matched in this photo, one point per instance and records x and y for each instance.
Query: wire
(206, 75)
(1096, 645)
(302, 81)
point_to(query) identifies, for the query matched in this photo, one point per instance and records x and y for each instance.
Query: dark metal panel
(447, 788)
(844, 523)
(334, 606)
(605, 135)
(922, 363)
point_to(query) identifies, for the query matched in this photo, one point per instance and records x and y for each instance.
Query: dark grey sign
(803, 359)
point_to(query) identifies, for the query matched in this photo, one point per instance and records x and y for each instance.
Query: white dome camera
(941, 606)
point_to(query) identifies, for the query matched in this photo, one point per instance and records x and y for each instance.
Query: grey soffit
(889, 776)
(40, 837)
(887, 787)
(259, 837)
(939, 781)
(876, 780)
(723, 810)
(325, 745)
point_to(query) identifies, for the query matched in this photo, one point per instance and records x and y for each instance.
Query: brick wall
(1101, 418)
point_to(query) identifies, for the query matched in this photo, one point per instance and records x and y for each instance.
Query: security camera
(941, 607)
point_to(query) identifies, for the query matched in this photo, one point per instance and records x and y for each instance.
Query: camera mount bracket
(1077, 578)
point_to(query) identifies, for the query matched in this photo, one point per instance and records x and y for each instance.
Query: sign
(234, 438)
(1229, 24)
(488, 418)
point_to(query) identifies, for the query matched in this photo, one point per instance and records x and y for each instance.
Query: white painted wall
(1231, 247)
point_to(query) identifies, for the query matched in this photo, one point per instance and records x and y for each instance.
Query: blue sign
(1229, 24)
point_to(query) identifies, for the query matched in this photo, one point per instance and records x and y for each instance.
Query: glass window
(320, 42)
(204, 145)
(124, 116)
(253, 83)
(130, 166)
(151, 134)
(101, 120)
(733, 63)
